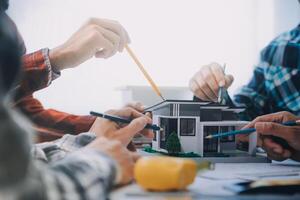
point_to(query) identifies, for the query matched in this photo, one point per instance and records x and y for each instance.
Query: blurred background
(172, 38)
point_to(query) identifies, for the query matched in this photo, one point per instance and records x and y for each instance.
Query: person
(100, 38)
(274, 86)
(271, 125)
(87, 168)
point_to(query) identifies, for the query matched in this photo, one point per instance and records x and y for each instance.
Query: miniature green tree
(173, 145)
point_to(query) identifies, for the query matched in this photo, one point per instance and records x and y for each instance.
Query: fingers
(228, 80)
(203, 87)
(274, 117)
(279, 157)
(115, 27)
(268, 143)
(105, 48)
(126, 112)
(278, 117)
(111, 31)
(126, 164)
(136, 126)
(275, 129)
(128, 132)
(113, 38)
(218, 74)
(195, 88)
(208, 75)
(148, 132)
(274, 150)
(205, 83)
(136, 105)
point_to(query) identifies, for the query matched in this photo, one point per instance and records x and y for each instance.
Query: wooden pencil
(146, 74)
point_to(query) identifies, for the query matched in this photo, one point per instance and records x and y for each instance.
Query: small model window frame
(190, 124)
(155, 135)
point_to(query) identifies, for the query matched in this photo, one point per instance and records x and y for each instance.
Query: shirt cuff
(52, 74)
(89, 166)
(100, 162)
(116, 171)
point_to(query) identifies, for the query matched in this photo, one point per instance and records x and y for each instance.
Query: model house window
(164, 126)
(187, 127)
(162, 136)
(155, 135)
(210, 145)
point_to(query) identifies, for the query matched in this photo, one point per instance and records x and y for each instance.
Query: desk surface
(210, 184)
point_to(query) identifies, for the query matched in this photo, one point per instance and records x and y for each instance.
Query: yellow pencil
(139, 64)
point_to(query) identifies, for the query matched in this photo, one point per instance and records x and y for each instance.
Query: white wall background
(173, 38)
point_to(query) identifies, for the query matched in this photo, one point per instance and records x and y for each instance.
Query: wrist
(56, 57)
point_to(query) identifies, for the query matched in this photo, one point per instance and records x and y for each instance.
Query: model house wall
(192, 121)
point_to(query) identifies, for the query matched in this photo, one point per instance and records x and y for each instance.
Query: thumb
(228, 80)
(134, 127)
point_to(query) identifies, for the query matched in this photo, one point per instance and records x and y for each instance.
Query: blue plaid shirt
(275, 84)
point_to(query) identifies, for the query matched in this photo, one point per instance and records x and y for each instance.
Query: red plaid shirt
(49, 124)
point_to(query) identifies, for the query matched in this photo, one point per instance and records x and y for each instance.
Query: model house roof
(203, 105)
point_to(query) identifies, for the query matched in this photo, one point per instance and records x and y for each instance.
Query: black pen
(123, 120)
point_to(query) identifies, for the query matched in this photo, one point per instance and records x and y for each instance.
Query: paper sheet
(250, 171)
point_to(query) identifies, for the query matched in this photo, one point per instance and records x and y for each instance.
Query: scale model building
(193, 121)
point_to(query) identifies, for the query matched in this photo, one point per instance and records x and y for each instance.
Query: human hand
(140, 108)
(124, 159)
(122, 132)
(206, 82)
(271, 125)
(101, 38)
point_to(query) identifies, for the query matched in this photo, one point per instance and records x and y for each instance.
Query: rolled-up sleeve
(37, 73)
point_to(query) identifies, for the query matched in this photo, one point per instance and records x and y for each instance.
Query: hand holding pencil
(206, 83)
(270, 126)
(122, 132)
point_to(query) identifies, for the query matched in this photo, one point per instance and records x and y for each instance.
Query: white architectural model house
(193, 121)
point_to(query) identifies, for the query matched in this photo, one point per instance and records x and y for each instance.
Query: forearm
(86, 174)
(91, 173)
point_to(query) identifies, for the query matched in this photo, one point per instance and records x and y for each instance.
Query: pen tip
(208, 137)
